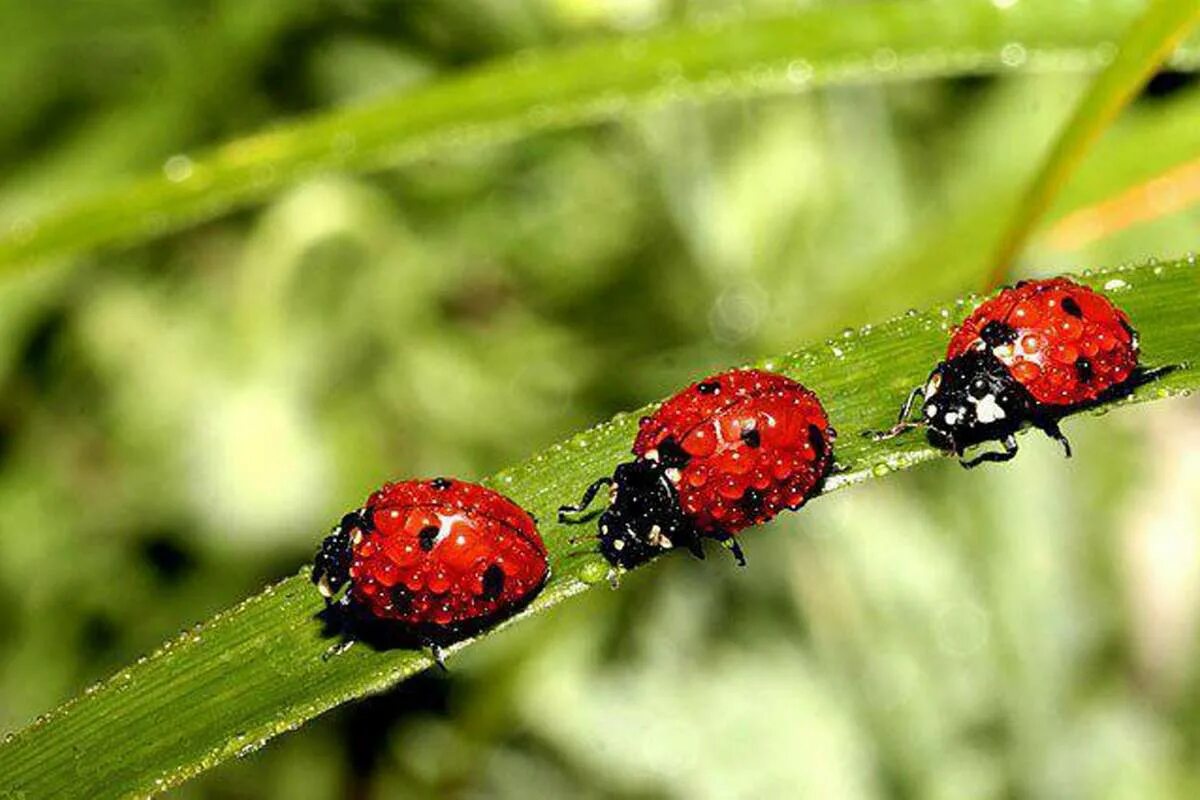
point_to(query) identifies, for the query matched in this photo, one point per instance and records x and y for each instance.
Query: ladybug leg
(337, 649)
(614, 577)
(736, 549)
(1144, 375)
(1051, 429)
(902, 421)
(695, 547)
(439, 654)
(728, 541)
(588, 496)
(341, 617)
(1010, 450)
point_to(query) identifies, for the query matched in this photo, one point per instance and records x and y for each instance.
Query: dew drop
(799, 72)
(885, 59)
(178, 168)
(593, 572)
(1013, 54)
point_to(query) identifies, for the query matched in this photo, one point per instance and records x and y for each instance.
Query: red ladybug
(1029, 355)
(435, 560)
(730, 451)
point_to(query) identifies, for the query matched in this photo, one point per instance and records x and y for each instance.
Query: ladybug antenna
(588, 496)
(903, 423)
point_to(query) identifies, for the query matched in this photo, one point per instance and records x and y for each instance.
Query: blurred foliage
(179, 422)
(1143, 50)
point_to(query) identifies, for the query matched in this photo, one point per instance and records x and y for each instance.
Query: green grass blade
(554, 89)
(1151, 39)
(229, 685)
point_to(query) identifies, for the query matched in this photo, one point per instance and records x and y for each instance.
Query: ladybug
(727, 452)
(430, 561)
(1031, 354)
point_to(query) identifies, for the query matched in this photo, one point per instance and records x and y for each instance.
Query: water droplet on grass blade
(178, 168)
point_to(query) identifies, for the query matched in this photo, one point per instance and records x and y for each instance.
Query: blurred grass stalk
(1150, 40)
(868, 42)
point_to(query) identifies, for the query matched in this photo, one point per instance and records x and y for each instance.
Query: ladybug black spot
(751, 501)
(441, 484)
(493, 582)
(427, 537)
(1071, 307)
(401, 599)
(816, 437)
(1083, 369)
(708, 387)
(751, 437)
(670, 454)
(997, 333)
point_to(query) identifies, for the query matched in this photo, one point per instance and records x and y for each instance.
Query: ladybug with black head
(429, 562)
(1030, 355)
(727, 452)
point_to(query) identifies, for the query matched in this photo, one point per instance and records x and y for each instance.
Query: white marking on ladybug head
(323, 586)
(651, 455)
(931, 410)
(356, 537)
(951, 417)
(618, 544)
(988, 410)
(673, 475)
(935, 383)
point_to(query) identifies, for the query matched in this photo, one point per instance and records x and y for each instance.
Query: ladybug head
(971, 399)
(331, 567)
(644, 517)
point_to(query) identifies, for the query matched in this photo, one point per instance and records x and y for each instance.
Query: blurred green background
(180, 422)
